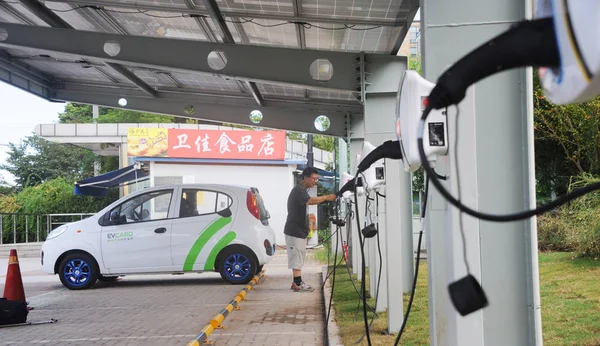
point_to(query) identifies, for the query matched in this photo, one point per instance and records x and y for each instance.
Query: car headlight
(55, 233)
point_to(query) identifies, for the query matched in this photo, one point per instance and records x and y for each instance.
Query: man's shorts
(296, 250)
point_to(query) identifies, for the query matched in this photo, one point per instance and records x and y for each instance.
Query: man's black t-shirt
(296, 224)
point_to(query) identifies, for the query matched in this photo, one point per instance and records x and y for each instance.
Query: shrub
(553, 234)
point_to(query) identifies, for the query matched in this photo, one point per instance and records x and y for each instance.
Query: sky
(20, 112)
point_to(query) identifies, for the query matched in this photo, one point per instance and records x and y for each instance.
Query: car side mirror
(114, 217)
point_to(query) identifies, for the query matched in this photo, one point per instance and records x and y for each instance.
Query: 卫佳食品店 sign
(208, 144)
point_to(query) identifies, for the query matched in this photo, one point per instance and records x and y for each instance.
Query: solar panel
(327, 25)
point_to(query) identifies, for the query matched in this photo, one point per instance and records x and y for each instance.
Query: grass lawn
(570, 291)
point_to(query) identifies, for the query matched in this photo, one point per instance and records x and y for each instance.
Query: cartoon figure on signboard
(312, 224)
(147, 142)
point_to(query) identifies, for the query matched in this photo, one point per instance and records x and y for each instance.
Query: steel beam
(55, 21)
(23, 80)
(300, 32)
(236, 13)
(43, 13)
(105, 74)
(169, 77)
(215, 14)
(127, 73)
(18, 15)
(217, 17)
(240, 29)
(193, 95)
(24, 70)
(214, 109)
(256, 93)
(407, 22)
(253, 63)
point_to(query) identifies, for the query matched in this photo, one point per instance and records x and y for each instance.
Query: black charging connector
(467, 295)
(338, 222)
(370, 231)
(387, 150)
(350, 186)
(528, 43)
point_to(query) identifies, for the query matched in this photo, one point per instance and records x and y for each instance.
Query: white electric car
(165, 229)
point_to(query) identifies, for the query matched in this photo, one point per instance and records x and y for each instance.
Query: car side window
(223, 202)
(145, 207)
(196, 202)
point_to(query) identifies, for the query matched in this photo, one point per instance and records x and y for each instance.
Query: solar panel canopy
(259, 54)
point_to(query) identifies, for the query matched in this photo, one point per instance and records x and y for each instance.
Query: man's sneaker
(303, 287)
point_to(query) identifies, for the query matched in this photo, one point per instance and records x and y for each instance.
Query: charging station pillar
(356, 139)
(384, 75)
(495, 157)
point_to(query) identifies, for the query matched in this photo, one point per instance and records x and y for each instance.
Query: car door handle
(160, 230)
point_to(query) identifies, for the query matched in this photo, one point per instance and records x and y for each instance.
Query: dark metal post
(310, 156)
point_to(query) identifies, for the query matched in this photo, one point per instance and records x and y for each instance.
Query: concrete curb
(217, 321)
(332, 336)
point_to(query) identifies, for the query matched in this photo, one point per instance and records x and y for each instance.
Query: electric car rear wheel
(237, 265)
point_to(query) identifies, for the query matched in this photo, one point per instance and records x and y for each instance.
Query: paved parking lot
(137, 310)
(167, 310)
(275, 315)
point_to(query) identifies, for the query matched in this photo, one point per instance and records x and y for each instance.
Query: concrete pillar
(495, 156)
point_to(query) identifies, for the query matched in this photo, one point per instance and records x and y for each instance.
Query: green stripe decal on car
(204, 237)
(210, 262)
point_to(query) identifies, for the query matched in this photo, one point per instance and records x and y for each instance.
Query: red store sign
(216, 144)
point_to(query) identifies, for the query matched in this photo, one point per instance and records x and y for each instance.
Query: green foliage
(126, 116)
(34, 202)
(9, 203)
(323, 142)
(38, 160)
(56, 196)
(574, 226)
(567, 141)
(414, 64)
(555, 234)
(78, 113)
(322, 123)
(81, 113)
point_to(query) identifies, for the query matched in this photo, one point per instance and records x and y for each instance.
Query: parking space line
(216, 322)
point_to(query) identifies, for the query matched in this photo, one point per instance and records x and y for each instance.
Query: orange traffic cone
(13, 288)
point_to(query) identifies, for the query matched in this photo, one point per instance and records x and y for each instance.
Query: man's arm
(321, 199)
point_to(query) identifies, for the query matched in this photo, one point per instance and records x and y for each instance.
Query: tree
(77, 113)
(38, 160)
(414, 64)
(127, 116)
(567, 141)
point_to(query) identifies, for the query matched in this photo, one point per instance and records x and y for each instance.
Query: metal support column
(383, 76)
(493, 178)
(355, 142)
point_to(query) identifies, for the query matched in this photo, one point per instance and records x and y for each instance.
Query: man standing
(297, 226)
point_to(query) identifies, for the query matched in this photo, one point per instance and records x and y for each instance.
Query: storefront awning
(322, 172)
(326, 178)
(99, 185)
